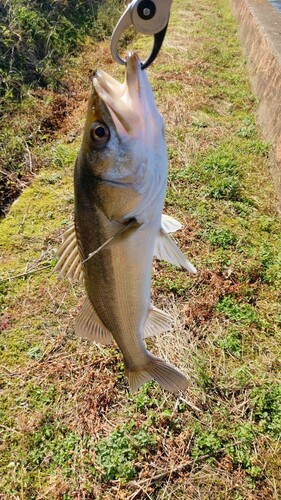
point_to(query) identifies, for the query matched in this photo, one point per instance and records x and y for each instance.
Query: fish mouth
(125, 101)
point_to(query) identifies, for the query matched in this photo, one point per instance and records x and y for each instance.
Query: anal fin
(89, 326)
(157, 322)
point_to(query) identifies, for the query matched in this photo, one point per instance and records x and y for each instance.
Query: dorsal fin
(89, 326)
(69, 263)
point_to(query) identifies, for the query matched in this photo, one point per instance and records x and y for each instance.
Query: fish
(120, 180)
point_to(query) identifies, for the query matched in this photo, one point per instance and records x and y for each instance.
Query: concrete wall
(259, 26)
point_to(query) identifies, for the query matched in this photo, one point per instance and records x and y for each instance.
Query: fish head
(124, 137)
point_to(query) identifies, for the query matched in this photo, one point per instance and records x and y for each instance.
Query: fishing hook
(149, 17)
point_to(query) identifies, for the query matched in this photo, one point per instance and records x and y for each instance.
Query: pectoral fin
(166, 249)
(132, 224)
(69, 263)
(89, 326)
(157, 322)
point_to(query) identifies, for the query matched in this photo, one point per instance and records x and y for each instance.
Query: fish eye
(100, 133)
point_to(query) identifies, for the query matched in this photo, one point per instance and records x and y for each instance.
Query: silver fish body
(118, 278)
(120, 183)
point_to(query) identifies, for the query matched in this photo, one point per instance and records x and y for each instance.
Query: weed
(266, 404)
(243, 376)
(221, 173)
(206, 443)
(35, 353)
(231, 343)
(204, 374)
(248, 128)
(64, 156)
(144, 399)
(270, 264)
(224, 188)
(242, 451)
(54, 446)
(37, 396)
(239, 447)
(258, 147)
(237, 311)
(222, 161)
(223, 238)
(37, 38)
(116, 455)
(243, 208)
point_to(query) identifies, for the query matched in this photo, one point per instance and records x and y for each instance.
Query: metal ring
(158, 41)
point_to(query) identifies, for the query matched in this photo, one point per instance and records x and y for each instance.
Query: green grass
(39, 36)
(69, 428)
(116, 455)
(39, 43)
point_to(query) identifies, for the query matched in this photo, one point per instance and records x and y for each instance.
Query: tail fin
(166, 375)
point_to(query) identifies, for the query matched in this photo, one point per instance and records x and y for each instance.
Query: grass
(38, 37)
(39, 44)
(69, 428)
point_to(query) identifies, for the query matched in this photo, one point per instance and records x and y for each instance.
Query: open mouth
(122, 99)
